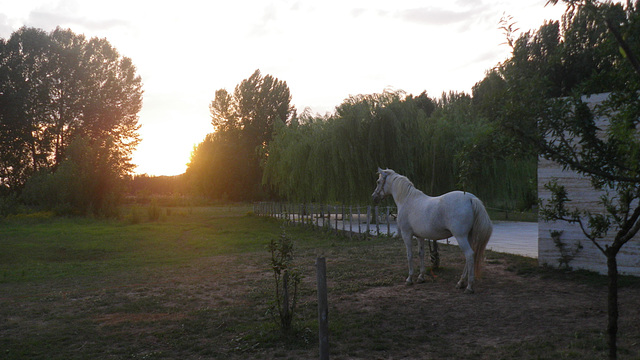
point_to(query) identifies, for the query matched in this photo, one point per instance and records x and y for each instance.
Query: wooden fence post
(350, 221)
(359, 230)
(323, 308)
(368, 221)
(377, 214)
(388, 223)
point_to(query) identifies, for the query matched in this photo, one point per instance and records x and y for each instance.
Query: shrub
(287, 278)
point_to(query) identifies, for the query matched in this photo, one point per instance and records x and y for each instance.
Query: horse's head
(383, 188)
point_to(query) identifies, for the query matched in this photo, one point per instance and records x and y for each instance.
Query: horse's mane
(402, 186)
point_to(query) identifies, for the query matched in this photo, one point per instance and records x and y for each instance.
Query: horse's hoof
(408, 282)
(468, 291)
(459, 285)
(420, 279)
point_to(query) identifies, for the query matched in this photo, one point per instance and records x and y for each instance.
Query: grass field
(42, 248)
(196, 284)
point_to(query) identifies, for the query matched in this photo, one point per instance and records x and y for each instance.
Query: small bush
(287, 278)
(153, 211)
(8, 205)
(135, 215)
(85, 183)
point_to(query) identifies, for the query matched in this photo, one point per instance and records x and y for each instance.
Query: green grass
(196, 283)
(61, 247)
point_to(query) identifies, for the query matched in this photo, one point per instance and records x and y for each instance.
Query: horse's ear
(379, 170)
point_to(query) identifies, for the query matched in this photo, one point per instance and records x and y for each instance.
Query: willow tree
(331, 158)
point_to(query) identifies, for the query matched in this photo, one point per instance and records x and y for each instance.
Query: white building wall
(583, 196)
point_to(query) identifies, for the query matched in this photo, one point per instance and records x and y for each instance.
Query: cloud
(459, 15)
(358, 12)
(50, 20)
(5, 27)
(435, 16)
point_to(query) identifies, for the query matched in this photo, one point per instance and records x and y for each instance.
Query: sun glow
(166, 150)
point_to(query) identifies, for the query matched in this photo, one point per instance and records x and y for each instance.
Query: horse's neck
(403, 191)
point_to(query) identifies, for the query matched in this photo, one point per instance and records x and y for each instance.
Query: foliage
(568, 132)
(9, 205)
(144, 185)
(566, 255)
(440, 145)
(223, 168)
(286, 278)
(88, 181)
(56, 88)
(577, 56)
(609, 158)
(315, 158)
(226, 165)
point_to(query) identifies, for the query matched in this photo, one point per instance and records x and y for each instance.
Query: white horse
(456, 213)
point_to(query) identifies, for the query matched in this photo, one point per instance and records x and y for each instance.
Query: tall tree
(57, 87)
(260, 101)
(24, 94)
(254, 107)
(244, 123)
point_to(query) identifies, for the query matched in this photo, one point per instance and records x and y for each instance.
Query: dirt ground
(537, 315)
(507, 314)
(216, 308)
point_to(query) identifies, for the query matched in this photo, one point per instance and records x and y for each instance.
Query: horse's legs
(421, 247)
(462, 282)
(463, 242)
(408, 245)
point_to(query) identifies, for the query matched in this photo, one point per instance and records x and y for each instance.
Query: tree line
(430, 141)
(476, 142)
(69, 108)
(262, 148)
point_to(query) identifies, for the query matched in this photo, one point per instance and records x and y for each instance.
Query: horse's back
(457, 199)
(440, 217)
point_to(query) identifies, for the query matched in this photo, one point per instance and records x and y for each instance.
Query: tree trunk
(612, 304)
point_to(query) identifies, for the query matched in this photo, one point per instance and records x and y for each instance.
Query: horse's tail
(480, 233)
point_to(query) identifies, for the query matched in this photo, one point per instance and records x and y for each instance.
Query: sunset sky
(325, 51)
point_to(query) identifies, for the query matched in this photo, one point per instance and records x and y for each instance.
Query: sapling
(287, 278)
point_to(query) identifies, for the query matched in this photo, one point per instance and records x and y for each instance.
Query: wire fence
(352, 221)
